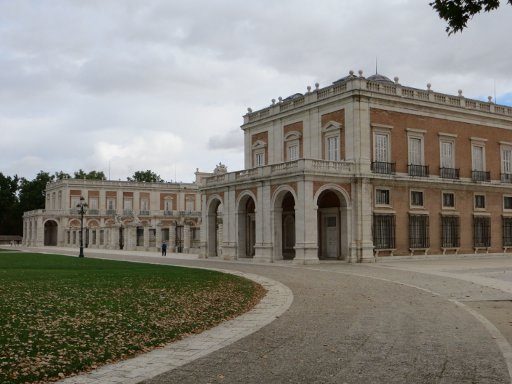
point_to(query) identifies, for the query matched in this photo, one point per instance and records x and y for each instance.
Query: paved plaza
(432, 320)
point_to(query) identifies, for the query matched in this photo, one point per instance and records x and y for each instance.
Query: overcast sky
(163, 84)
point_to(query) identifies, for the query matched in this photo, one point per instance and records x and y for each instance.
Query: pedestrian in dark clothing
(164, 249)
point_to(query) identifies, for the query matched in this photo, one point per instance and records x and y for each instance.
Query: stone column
(146, 237)
(186, 238)
(158, 237)
(362, 243)
(113, 242)
(130, 237)
(172, 238)
(203, 233)
(229, 230)
(263, 246)
(306, 226)
(219, 235)
(39, 232)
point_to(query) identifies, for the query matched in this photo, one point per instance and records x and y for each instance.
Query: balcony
(301, 166)
(383, 167)
(144, 213)
(127, 212)
(93, 212)
(449, 173)
(506, 177)
(418, 170)
(168, 213)
(481, 176)
(111, 211)
(73, 211)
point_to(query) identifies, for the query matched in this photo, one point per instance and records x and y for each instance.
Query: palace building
(119, 215)
(361, 169)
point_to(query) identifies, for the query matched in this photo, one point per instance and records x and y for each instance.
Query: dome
(379, 78)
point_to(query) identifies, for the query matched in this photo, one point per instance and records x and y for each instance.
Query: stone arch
(51, 231)
(334, 222)
(214, 233)
(284, 201)
(246, 223)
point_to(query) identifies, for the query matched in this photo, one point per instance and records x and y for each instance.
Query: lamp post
(82, 208)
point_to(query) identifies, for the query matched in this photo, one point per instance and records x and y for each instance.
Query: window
(381, 147)
(447, 160)
(415, 150)
(507, 202)
(293, 152)
(127, 204)
(75, 200)
(382, 197)
(481, 231)
(416, 165)
(189, 204)
(416, 198)
(144, 204)
(111, 204)
(418, 231)
(506, 164)
(93, 203)
(332, 148)
(448, 200)
(477, 153)
(259, 159)
(167, 204)
(480, 201)
(507, 231)
(384, 231)
(450, 232)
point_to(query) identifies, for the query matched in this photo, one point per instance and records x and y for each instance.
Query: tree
(10, 220)
(145, 176)
(92, 175)
(61, 175)
(32, 192)
(458, 12)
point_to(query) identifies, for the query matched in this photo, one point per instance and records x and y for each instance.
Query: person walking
(164, 249)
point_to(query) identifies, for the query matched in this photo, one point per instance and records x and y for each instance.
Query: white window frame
(380, 132)
(113, 201)
(128, 206)
(442, 159)
(292, 140)
(506, 163)
(506, 209)
(168, 203)
(93, 202)
(474, 201)
(442, 200)
(332, 130)
(422, 198)
(416, 136)
(478, 143)
(144, 204)
(258, 159)
(379, 204)
(332, 152)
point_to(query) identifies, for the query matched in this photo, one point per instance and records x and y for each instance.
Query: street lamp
(82, 208)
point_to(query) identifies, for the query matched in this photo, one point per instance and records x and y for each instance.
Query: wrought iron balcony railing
(383, 167)
(418, 170)
(481, 176)
(449, 173)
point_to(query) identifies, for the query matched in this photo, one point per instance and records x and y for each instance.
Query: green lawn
(60, 315)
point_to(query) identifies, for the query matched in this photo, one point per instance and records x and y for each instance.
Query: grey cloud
(232, 140)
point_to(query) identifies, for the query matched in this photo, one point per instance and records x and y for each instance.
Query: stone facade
(120, 215)
(361, 169)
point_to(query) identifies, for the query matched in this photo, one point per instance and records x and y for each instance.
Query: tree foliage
(9, 205)
(458, 12)
(92, 175)
(145, 176)
(19, 195)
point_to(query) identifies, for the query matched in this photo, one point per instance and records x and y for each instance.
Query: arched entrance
(246, 227)
(288, 227)
(333, 229)
(214, 228)
(50, 232)
(284, 224)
